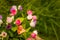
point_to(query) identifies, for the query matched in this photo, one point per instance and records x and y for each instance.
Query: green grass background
(47, 12)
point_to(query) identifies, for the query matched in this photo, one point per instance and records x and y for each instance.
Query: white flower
(20, 7)
(29, 17)
(12, 17)
(9, 19)
(1, 21)
(3, 34)
(35, 31)
(32, 24)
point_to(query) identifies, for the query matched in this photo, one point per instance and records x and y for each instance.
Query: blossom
(29, 17)
(34, 17)
(3, 34)
(35, 31)
(33, 23)
(17, 22)
(9, 20)
(29, 12)
(33, 35)
(1, 21)
(8, 26)
(29, 39)
(0, 16)
(20, 7)
(13, 10)
(20, 29)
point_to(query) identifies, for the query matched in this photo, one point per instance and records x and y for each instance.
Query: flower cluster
(33, 35)
(18, 22)
(31, 17)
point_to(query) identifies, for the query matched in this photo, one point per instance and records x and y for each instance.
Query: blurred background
(47, 12)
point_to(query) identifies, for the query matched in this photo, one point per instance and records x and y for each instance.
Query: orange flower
(20, 29)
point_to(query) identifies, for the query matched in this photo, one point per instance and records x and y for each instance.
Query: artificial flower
(1, 21)
(8, 26)
(13, 10)
(20, 29)
(29, 17)
(29, 12)
(18, 22)
(3, 34)
(9, 19)
(20, 7)
(0, 16)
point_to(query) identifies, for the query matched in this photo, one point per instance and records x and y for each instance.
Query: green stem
(54, 31)
(55, 22)
(2, 38)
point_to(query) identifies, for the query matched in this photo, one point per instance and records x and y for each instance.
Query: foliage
(48, 14)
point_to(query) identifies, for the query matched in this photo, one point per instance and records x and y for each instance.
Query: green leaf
(22, 19)
(14, 29)
(15, 39)
(28, 29)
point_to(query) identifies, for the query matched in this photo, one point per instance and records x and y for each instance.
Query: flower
(17, 22)
(0, 16)
(20, 7)
(29, 39)
(29, 12)
(33, 35)
(8, 26)
(32, 24)
(9, 19)
(34, 17)
(20, 29)
(3, 34)
(1, 21)
(35, 31)
(13, 10)
(29, 17)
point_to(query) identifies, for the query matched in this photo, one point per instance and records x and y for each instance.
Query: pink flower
(17, 22)
(13, 10)
(28, 38)
(33, 35)
(29, 12)
(34, 17)
(29, 17)
(9, 20)
(0, 16)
